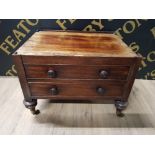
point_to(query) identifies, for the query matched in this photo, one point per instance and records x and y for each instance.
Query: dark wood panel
(77, 72)
(77, 98)
(76, 81)
(131, 78)
(77, 60)
(85, 89)
(22, 77)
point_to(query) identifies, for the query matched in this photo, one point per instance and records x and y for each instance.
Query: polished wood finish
(77, 60)
(76, 65)
(74, 44)
(77, 72)
(22, 77)
(87, 89)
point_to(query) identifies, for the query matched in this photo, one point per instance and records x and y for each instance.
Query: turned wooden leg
(31, 104)
(120, 106)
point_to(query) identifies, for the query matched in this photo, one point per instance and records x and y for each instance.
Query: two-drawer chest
(72, 65)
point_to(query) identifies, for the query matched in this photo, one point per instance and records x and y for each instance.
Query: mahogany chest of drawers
(62, 65)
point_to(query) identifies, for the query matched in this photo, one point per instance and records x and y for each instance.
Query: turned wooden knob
(103, 74)
(54, 91)
(52, 73)
(100, 90)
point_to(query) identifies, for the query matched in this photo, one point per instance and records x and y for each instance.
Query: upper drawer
(76, 72)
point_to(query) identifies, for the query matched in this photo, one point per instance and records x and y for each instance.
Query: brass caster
(119, 113)
(34, 111)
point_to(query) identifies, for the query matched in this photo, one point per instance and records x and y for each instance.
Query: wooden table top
(70, 43)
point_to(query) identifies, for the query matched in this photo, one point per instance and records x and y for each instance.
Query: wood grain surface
(75, 44)
(76, 71)
(75, 119)
(87, 89)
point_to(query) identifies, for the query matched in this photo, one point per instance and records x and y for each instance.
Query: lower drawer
(58, 89)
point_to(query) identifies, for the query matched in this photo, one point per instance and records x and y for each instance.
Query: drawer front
(90, 89)
(76, 72)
